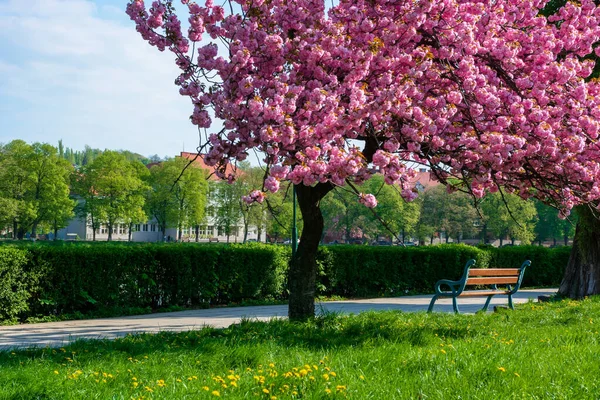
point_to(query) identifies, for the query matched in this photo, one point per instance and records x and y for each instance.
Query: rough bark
(582, 275)
(303, 266)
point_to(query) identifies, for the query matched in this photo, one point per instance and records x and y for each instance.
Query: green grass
(539, 351)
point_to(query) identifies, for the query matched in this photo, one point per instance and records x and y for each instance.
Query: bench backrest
(494, 276)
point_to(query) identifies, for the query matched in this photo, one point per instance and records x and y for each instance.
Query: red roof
(199, 162)
(425, 179)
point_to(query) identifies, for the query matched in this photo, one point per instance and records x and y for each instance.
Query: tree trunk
(303, 265)
(259, 232)
(110, 231)
(15, 227)
(130, 228)
(484, 233)
(197, 232)
(34, 230)
(55, 233)
(245, 232)
(582, 275)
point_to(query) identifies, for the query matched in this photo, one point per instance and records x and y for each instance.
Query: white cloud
(87, 80)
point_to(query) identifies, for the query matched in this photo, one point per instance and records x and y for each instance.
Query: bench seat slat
(476, 293)
(494, 272)
(493, 280)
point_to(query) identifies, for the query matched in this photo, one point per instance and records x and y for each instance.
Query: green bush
(15, 282)
(87, 278)
(39, 280)
(371, 271)
(547, 265)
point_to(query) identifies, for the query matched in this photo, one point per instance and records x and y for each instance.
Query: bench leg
(454, 305)
(510, 302)
(430, 309)
(487, 304)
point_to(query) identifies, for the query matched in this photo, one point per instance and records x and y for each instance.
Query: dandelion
(340, 388)
(56, 372)
(333, 374)
(517, 375)
(326, 377)
(362, 378)
(216, 393)
(328, 391)
(502, 369)
(266, 391)
(443, 351)
(205, 388)
(134, 384)
(149, 389)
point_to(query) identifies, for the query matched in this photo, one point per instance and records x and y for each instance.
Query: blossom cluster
(492, 93)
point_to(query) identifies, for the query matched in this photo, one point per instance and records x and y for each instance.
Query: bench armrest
(453, 285)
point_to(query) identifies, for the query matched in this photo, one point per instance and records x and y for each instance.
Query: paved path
(56, 334)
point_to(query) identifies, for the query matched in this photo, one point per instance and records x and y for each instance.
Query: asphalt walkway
(56, 334)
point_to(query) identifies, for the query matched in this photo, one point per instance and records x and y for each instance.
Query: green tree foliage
(256, 214)
(551, 227)
(34, 186)
(119, 189)
(454, 214)
(178, 195)
(507, 215)
(226, 200)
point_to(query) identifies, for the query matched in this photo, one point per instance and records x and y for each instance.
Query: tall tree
(118, 188)
(492, 94)
(36, 180)
(507, 215)
(178, 194)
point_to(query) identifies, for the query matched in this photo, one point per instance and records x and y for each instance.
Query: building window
(145, 227)
(202, 230)
(210, 231)
(153, 227)
(137, 227)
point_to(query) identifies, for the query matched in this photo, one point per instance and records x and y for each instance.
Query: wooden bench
(511, 277)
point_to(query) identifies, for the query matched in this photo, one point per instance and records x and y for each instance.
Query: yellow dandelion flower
(272, 365)
(205, 388)
(303, 372)
(333, 374)
(56, 372)
(312, 378)
(443, 351)
(294, 393)
(502, 369)
(340, 388)
(328, 391)
(149, 389)
(216, 393)
(326, 377)
(266, 391)
(133, 378)
(517, 375)
(362, 378)
(273, 397)
(178, 380)
(233, 383)
(134, 384)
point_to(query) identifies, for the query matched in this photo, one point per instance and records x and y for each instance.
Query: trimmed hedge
(82, 278)
(73, 278)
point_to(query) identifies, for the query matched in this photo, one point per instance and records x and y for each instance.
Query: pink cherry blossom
(489, 93)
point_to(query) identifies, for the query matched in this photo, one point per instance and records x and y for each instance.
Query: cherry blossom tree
(491, 94)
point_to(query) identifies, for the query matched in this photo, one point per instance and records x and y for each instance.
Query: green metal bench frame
(457, 288)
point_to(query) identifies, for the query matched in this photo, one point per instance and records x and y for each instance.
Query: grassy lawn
(548, 351)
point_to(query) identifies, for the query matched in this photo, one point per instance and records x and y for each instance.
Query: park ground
(539, 351)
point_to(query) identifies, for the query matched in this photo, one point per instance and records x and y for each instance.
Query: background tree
(507, 215)
(226, 200)
(35, 185)
(118, 188)
(491, 94)
(551, 227)
(190, 191)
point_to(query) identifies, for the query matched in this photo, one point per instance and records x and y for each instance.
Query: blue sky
(77, 70)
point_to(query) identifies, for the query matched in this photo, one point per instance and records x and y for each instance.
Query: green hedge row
(366, 271)
(80, 278)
